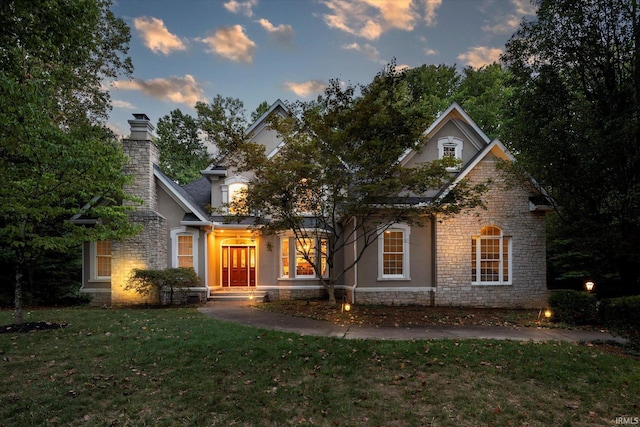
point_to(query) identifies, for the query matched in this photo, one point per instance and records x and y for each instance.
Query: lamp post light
(588, 285)
(547, 314)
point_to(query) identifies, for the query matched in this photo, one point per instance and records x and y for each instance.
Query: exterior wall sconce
(588, 285)
(345, 305)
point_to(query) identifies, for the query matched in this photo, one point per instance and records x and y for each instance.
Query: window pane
(185, 251)
(285, 257)
(303, 267)
(393, 253)
(103, 258)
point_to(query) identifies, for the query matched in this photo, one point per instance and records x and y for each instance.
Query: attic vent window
(450, 146)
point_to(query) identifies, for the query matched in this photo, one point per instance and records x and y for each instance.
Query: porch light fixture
(588, 285)
(345, 305)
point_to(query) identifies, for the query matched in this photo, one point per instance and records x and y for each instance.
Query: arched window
(237, 194)
(491, 257)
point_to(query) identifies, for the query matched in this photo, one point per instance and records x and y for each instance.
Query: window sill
(394, 279)
(100, 280)
(490, 284)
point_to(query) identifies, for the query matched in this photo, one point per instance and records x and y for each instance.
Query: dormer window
(450, 146)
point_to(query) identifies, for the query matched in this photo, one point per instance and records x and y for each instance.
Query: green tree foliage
(223, 123)
(262, 108)
(55, 155)
(182, 153)
(339, 162)
(574, 122)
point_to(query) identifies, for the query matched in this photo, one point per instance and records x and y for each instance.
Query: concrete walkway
(242, 312)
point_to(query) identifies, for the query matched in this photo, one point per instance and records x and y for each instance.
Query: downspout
(355, 267)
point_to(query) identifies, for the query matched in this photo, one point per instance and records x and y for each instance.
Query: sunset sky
(186, 51)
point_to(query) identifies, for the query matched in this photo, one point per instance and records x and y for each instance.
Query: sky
(185, 51)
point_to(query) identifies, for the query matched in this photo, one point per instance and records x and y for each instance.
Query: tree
(223, 122)
(55, 153)
(574, 124)
(182, 153)
(262, 108)
(337, 178)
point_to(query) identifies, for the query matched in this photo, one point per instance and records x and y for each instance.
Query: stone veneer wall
(507, 208)
(148, 249)
(392, 297)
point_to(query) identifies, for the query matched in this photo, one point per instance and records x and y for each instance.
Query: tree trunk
(17, 302)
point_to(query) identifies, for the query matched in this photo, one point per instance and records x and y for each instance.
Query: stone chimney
(148, 249)
(143, 154)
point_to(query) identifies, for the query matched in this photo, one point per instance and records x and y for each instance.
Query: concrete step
(237, 295)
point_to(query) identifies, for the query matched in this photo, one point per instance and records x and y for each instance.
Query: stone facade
(392, 297)
(507, 207)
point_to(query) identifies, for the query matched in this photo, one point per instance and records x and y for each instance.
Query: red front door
(238, 266)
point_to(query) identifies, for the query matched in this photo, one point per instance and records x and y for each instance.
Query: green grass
(176, 367)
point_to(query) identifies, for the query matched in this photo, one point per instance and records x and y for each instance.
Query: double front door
(238, 266)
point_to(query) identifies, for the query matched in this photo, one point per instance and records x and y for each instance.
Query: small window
(103, 259)
(450, 147)
(491, 257)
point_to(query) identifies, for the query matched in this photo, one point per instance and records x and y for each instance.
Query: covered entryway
(238, 265)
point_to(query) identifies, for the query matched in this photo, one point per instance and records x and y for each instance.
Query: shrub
(622, 316)
(573, 307)
(155, 283)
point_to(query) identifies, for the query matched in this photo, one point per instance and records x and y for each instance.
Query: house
(493, 257)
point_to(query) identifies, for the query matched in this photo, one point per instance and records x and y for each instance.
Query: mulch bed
(30, 327)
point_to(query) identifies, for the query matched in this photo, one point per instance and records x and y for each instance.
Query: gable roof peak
(266, 114)
(456, 110)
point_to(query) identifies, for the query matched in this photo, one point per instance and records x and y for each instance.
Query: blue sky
(186, 51)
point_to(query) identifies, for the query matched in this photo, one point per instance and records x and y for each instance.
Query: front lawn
(173, 367)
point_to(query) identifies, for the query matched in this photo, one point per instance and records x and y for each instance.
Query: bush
(155, 283)
(573, 307)
(622, 316)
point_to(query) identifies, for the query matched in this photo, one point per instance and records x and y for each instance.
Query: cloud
(123, 104)
(430, 52)
(282, 33)
(304, 89)
(430, 11)
(245, 7)
(370, 51)
(524, 7)
(156, 36)
(371, 18)
(185, 90)
(507, 24)
(480, 55)
(231, 43)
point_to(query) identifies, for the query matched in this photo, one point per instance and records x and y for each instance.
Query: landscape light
(345, 305)
(589, 284)
(547, 314)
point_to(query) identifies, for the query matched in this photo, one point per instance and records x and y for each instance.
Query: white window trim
(503, 238)
(406, 268)
(93, 267)
(175, 232)
(450, 141)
